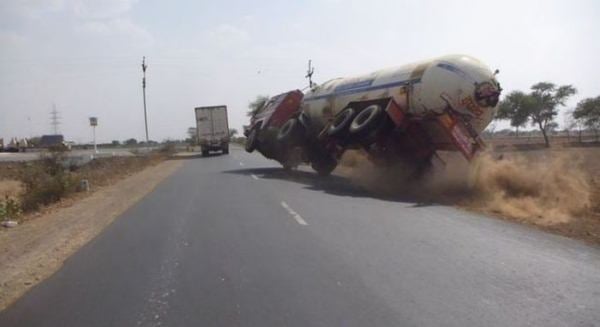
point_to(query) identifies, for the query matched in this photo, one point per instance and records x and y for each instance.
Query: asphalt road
(234, 241)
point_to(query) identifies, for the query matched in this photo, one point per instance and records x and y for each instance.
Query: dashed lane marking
(294, 214)
(254, 176)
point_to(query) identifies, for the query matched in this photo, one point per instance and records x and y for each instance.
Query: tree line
(541, 104)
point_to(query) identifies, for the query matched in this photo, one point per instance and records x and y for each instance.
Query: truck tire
(225, 150)
(341, 122)
(290, 133)
(251, 140)
(305, 121)
(366, 120)
(205, 153)
(324, 166)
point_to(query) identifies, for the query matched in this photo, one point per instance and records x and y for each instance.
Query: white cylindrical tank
(459, 82)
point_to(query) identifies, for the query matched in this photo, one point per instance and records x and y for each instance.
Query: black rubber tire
(225, 150)
(251, 140)
(305, 121)
(324, 166)
(290, 133)
(205, 153)
(341, 122)
(366, 120)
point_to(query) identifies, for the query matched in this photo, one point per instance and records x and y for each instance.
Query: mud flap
(465, 139)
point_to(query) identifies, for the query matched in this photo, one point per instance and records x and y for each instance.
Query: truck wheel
(290, 132)
(341, 122)
(324, 166)
(251, 140)
(225, 150)
(204, 153)
(304, 120)
(366, 120)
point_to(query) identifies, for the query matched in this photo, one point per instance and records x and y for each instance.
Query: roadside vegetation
(55, 177)
(46, 181)
(540, 107)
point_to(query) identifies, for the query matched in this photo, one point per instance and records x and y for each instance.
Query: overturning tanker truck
(403, 114)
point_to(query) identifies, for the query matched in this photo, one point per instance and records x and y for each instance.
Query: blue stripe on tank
(363, 89)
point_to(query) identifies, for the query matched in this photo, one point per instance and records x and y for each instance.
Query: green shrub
(46, 181)
(9, 209)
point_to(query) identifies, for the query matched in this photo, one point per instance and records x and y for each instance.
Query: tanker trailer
(405, 113)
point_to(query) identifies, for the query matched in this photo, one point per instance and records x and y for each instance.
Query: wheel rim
(365, 119)
(341, 121)
(341, 118)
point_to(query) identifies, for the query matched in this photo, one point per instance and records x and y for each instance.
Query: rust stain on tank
(419, 71)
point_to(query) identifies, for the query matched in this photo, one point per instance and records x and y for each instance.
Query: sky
(84, 56)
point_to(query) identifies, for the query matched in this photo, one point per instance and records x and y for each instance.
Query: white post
(95, 147)
(94, 123)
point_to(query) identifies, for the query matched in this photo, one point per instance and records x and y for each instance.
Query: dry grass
(555, 189)
(39, 184)
(10, 188)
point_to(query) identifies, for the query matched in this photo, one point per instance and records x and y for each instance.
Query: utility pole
(54, 119)
(309, 73)
(144, 66)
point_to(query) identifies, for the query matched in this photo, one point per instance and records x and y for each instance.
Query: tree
(233, 132)
(540, 106)
(131, 141)
(588, 112)
(515, 107)
(115, 143)
(255, 106)
(547, 98)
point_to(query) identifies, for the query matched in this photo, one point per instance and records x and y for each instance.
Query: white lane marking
(294, 214)
(241, 163)
(254, 176)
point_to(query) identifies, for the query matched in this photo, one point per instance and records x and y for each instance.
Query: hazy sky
(85, 55)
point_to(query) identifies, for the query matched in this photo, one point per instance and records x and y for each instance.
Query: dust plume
(548, 189)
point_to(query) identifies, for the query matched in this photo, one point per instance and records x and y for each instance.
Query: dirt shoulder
(38, 248)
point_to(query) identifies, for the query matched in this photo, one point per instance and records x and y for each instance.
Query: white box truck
(212, 129)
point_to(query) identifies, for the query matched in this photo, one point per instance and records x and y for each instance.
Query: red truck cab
(266, 122)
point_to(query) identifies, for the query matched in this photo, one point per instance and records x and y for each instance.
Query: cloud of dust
(546, 189)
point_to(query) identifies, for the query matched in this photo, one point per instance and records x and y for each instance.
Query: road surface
(234, 241)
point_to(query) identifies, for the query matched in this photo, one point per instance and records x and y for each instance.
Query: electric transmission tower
(54, 119)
